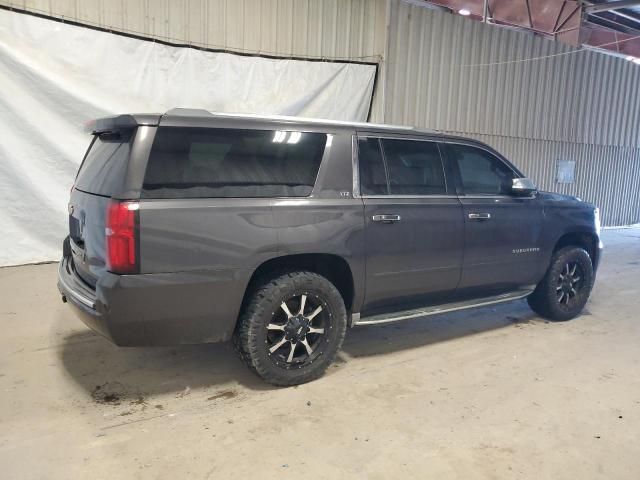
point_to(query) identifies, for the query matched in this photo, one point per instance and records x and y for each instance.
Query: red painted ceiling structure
(568, 21)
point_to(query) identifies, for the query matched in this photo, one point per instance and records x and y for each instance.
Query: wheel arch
(584, 239)
(333, 267)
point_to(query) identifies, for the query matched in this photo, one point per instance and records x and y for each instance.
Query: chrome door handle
(386, 218)
(479, 216)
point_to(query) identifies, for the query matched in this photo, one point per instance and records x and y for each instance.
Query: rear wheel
(292, 328)
(565, 288)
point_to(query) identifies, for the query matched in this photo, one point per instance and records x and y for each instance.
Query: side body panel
(213, 243)
(416, 257)
(503, 251)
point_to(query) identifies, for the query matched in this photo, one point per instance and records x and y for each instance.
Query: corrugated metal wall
(573, 106)
(345, 29)
(447, 72)
(575, 96)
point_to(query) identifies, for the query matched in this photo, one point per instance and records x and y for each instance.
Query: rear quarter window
(104, 167)
(204, 162)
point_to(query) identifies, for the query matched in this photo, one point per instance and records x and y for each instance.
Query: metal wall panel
(581, 106)
(331, 29)
(447, 72)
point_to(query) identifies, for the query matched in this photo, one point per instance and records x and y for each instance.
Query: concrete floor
(489, 393)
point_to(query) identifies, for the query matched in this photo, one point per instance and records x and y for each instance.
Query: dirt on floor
(490, 393)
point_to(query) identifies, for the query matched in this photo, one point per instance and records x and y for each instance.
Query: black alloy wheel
(297, 339)
(569, 283)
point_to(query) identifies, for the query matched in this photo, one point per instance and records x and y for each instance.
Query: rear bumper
(156, 309)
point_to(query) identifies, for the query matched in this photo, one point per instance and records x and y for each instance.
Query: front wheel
(292, 328)
(565, 288)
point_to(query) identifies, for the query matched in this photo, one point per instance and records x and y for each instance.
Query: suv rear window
(199, 162)
(104, 167)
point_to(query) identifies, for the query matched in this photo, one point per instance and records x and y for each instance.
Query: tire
(565, 288)
(289, 346)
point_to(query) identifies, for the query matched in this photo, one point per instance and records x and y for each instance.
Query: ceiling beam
(605, 7)
(613, 24)
(635, 20)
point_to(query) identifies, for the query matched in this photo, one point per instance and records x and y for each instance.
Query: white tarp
(55, 76)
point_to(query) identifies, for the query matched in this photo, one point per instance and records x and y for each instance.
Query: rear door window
(103, 170)
(199, 162)
(414, 167)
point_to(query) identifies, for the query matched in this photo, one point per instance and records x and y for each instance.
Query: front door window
(481, 173)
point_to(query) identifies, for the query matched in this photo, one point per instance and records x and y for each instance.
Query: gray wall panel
(447, 72)
(332, 29)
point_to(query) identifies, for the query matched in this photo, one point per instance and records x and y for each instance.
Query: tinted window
(481, 172)
(105, 165)
(373, 179)
(198, 162)
(414, 167)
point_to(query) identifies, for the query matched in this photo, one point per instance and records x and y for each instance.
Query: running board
(436, 309)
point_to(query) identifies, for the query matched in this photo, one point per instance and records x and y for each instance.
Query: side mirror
(523, 187)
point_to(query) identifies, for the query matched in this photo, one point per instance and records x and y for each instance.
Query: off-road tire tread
(261, 302)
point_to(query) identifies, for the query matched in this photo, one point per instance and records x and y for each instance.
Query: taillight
(122, 237)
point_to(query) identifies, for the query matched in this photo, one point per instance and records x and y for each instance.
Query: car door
(502, 230)
(413, 221)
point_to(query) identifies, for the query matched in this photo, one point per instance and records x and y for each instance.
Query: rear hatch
(101, 175)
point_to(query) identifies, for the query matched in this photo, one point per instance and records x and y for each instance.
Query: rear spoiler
(120, 122)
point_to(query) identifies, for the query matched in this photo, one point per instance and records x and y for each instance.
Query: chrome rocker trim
(436, 309)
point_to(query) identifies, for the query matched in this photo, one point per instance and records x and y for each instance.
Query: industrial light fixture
(329, 140)
(279, 136)
(294, 137)
(464, 12)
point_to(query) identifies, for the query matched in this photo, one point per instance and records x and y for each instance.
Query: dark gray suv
(281, 232)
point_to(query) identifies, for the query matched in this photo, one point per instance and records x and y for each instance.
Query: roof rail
(200, 112)
(189, 112)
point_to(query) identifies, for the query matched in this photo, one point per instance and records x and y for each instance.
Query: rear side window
(400, 167)
(199, 162)
(103, 170)
(481, 173)
(373, 179)
(414, 167)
